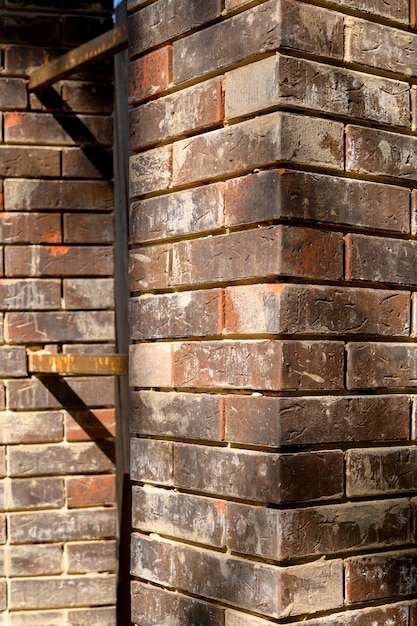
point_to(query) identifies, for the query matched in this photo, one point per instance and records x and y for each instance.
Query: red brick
(89, 293)
(34, 394)
(276, 422)
(84, 491)
(152, 461)
(85, 163)
(58, 260)
(166, 19)
(185, 314)
(34, 493)
(381, 365)
(393, 9)
(27, 294)
(263, 141)
(13, 94)
(88, 228)
(150, 74)
(380, 260)
(378, 471)
(34, 195)
(33, 427)
(286, 194)
(21, 161)
(298, 309)
(59, 326)
(92, 556)
(84, 97)
(186, 212)
(42, 560)
(30, 228)
(13, 361)
(259, 476)
(149, 268)
(150, 171)
(90, 424)
(186, 112)
(193, 416)
(378, 576)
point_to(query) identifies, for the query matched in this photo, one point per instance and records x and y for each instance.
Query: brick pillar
(56, 232)
(273, 259)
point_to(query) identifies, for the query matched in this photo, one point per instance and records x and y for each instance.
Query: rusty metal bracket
(105, 45)
(78, 364)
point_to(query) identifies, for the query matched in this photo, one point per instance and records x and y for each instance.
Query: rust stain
(1, 201)
(53, 237)
(277, 288)
(220, 505)
(12, 119)
(58, 250)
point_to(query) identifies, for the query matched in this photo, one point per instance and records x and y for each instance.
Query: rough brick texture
(273, 312)
(57, 492)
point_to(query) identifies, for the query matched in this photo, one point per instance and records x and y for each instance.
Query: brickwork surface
(273, 311)
(57, 492)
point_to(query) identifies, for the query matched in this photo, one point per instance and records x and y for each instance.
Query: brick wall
(56, 230)
(273, 224)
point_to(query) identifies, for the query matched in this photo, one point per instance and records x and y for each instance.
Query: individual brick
(380, 153)
(91, 491)
(288, 81)
(193, 416)
(263, 141)
(51, 592)
(34, 427)
(92, 617)
(150, 75)
(380, 260)
(264, 28)
(33, 195)
(88, 228)
(266, 589)
(151, 605)
(36, 527)
(30, 228)
(62, 326)
(259, 476)
(34, 493)
(91, 556)
(58, 261)
(13, 361)
(88, 293)
(377, 576)
(166, 19)
(186, 112)
(298, 309)
(150, 171)
(381, 365)
(75, 617)
(276, 422)
(89, 162)
(319, 530)
(13, 94)
(186, 212)
(184, 314)
(393, 9)
(78, 458)
(23, 161)
(286, 194)
(87, 97)
(27, 294)
(152, 461)
(377, 471)
(90, 424)
(89, 348)
(149, 268)
(35, 560)
(398, 55)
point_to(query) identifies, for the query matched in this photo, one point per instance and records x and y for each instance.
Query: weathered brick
(319, 530)
(273, 24)
(184, 314)
(152, 461)
(92, 556)
(149, 268)
(397, 55)
(83, 491)
(62, 326)
(294, 309)
(33, 195)
(58, 260)
(152, 605)
(150, 171)
(38, 527)
(260, 476)
(27, 294)
(88, 228)
(83, 425)
(194, 416)
(377, 576)
(77, 458)
(393, 9)
(381, 365)
(34, 493)
(71, 392)
(377, 471)
(272, 365)
(30, 228)
(289, 81)
(20, 161)
(186, 112)
(18, 427)
(90, 348)
(286, 194)
(34, 560)
(56, 592)
(380, 260)
(88, 293)
(276, 422)
(166, 19)
(75, 617)
(380, 153)
(13, 361)
(86, 163)
(189, 517)
(85, 97)
(92, 617)
(192, 211)
(266, 589)
(150, 75)
(13, 94)
(263, 141)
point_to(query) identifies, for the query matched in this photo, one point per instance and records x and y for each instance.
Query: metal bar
(105, 45)
(79, 364)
